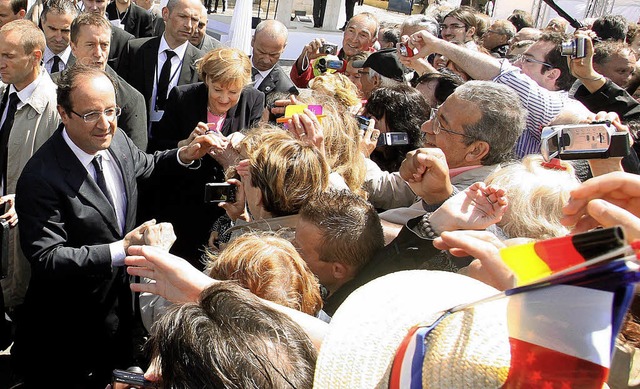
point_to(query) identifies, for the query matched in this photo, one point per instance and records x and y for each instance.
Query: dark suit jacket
(138, 66)
(209, 43)
(77, 316)
(119, 40)
(138, 21)
(182, 202)
(277, 81)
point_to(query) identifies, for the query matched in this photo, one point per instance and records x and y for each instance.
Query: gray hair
(503, 118)
(60, 7)
(428, 23)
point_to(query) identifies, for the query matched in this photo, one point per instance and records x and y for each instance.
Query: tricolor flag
(561, 332)
(533, 261)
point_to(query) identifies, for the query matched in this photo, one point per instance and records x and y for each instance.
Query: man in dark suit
(90, 39)
(143, 65)
(76, 200)
(119, 37)
(134, 19)
(56, 20)
(199, 38)
(268, 43)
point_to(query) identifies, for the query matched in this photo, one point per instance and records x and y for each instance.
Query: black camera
(325, 64)
(215, 192)
(574, 48)
(122, 379)
(329, 48)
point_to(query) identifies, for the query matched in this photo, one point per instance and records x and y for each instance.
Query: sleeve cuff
(116, 249)
(191, 165)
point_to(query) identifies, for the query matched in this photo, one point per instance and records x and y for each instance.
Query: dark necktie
(5, 130)
(254, 71)
(100, 180)
(163, 82)
(56, 64)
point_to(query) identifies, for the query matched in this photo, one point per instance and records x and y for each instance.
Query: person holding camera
(360, 35)
(540, 77)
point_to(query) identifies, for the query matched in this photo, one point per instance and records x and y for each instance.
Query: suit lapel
(188, 68)
(78, 177)
(268, 84)
(121, 156)
(150, 59)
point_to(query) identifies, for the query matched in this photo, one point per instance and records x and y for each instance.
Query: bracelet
(425, 229)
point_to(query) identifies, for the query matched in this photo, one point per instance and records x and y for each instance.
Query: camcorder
(597, 140)
(385, 138)
(329, 48)
(218, 192)
(325, 63)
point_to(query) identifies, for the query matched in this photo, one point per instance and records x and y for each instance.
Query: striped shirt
(542, 106)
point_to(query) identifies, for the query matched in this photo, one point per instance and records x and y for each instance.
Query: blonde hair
(227, 66)
(269, 267)
(536, 195)
(341, 142)
(287, 172)
(338, 86)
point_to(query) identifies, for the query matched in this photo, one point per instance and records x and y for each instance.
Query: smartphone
(215, 192)
(122, 379)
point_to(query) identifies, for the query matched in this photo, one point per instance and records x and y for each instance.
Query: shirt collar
(180, 50)
(26, 92)
(64, 56)
(84, 158)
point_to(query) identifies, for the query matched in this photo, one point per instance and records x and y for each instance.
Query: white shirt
(260, 76)
(115, 184)
(176, 65)
(48, 58)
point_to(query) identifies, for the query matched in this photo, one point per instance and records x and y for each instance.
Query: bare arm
(476, 64)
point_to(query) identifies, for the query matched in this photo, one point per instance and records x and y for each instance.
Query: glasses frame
(452, 26)
(436, 126)
(526, 58)
(86, 117)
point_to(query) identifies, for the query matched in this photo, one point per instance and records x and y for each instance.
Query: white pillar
(240, 29)
(284, 12)
(334, 15)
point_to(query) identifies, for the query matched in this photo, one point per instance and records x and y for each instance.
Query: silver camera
(574, 48)
(583, 141)
(329, 48)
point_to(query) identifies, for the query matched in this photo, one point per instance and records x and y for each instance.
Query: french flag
(562, 331)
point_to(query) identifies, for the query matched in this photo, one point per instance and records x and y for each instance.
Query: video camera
(583, 141)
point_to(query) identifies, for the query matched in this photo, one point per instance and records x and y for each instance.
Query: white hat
(467, 349)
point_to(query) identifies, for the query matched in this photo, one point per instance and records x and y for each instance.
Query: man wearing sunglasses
(540, 77)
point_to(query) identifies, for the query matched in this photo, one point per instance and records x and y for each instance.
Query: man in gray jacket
(28, 117)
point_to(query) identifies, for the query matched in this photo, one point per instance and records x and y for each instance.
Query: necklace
(213, 113)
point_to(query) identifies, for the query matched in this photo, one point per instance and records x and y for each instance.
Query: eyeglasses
(452, 26)
(527, 58)
(436, 127)
(91, 117)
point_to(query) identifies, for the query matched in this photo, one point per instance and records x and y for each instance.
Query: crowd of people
(368, 189)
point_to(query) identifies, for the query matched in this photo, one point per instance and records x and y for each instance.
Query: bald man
(268, 43)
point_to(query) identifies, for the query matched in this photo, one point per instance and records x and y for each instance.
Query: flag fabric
(533, 261)
(561, 331)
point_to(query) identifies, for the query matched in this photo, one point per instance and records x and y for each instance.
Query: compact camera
(583, 141)
(574, 48)
(405, 50)
(215, 192)
(329, 48)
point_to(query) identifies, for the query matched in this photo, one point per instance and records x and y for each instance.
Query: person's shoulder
(43, 160)
(139, 43)
(190, 89)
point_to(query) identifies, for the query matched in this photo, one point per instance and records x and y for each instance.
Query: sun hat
(469, 348)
